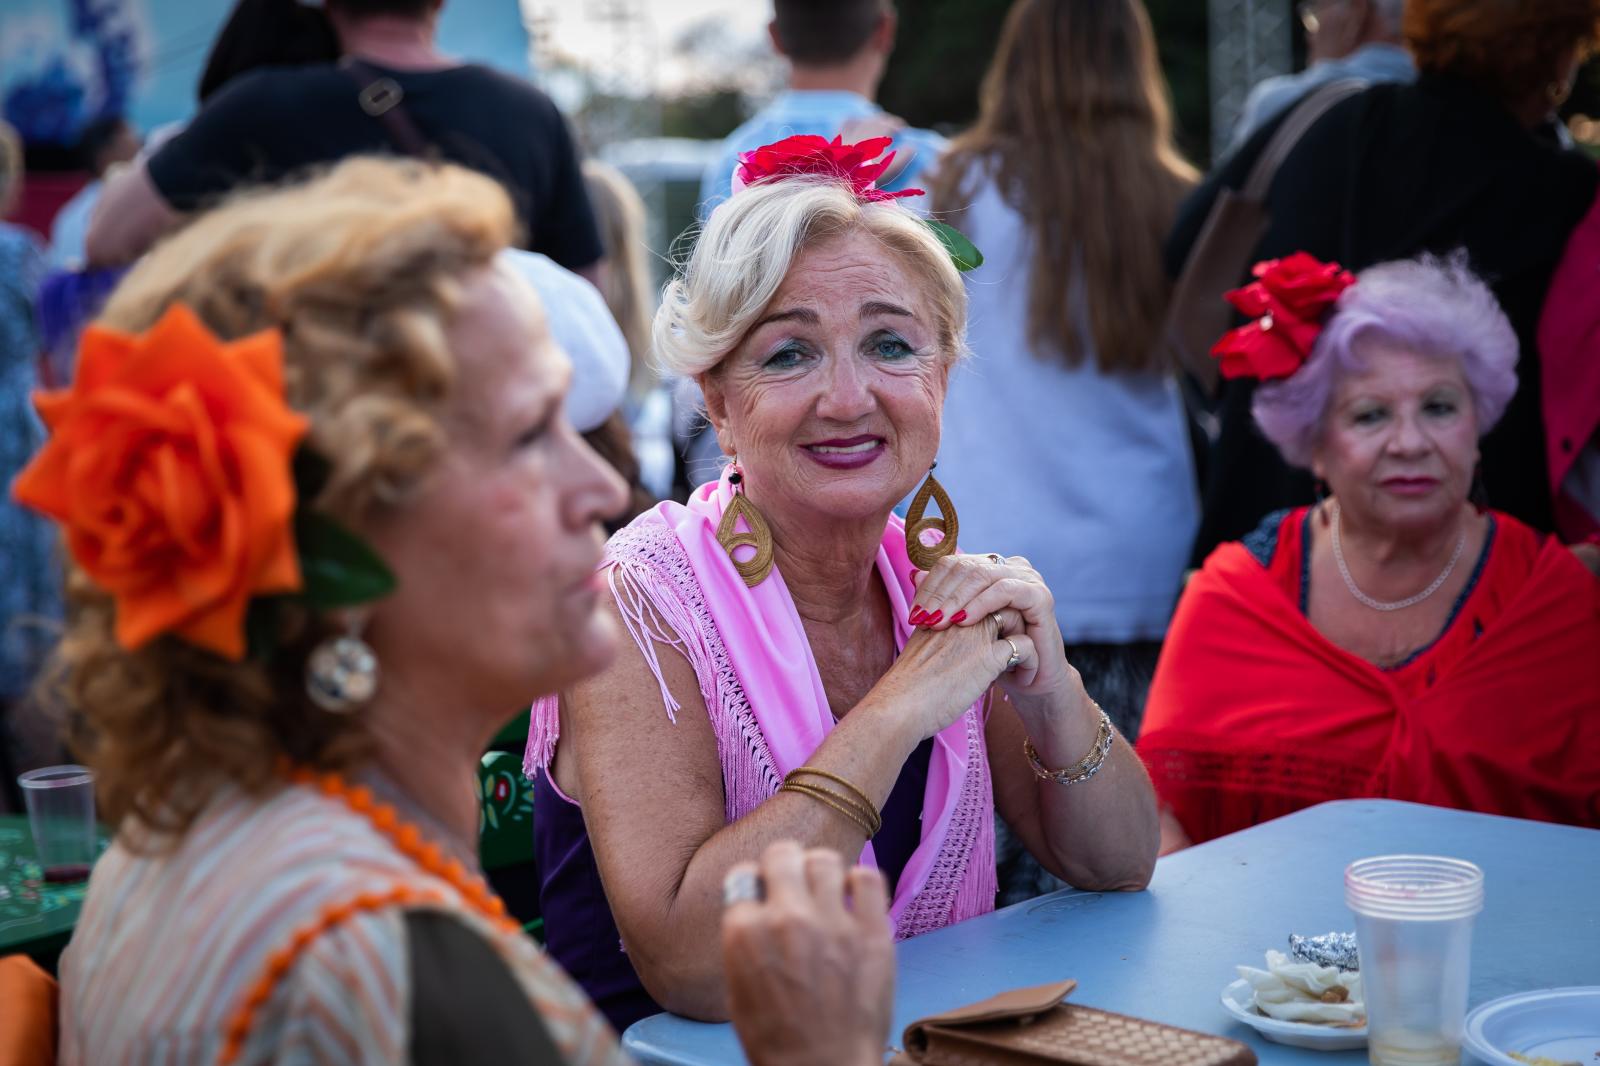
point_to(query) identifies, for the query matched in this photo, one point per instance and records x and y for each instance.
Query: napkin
(1292, 991)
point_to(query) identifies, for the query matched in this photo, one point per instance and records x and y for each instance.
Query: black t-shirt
(272, 122)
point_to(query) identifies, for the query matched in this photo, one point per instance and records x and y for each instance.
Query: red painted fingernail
(934, 618)
(958, 618)
(916, 616)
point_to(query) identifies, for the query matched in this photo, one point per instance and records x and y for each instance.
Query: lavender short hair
(1430, 305)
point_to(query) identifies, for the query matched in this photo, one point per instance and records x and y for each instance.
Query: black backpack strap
(380, 96)
(1302, 116)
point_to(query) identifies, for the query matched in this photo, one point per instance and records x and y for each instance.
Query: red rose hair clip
(1289, 301)
(857, 165)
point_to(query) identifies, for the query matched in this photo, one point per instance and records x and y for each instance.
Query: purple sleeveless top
(580, 932)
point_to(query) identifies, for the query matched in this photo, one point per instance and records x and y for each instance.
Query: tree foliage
(710, 114)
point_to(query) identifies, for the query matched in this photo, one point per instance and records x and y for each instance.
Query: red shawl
(1253, 713)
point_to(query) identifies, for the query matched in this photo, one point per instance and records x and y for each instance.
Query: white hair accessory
(582, 324)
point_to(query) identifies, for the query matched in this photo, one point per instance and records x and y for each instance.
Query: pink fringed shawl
(676, 587)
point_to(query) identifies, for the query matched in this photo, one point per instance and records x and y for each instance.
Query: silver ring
(1016, 656)
(995, 559)
(741, 886)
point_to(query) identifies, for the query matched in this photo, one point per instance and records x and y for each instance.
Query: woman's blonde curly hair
(361, 268)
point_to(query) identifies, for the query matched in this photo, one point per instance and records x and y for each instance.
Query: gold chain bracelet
(1086, 767)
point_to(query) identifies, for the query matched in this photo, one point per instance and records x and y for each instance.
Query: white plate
(1239, 1000)
(1553, 1023)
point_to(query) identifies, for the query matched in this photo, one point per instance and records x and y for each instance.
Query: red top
(1253, 713)
(1569, 361)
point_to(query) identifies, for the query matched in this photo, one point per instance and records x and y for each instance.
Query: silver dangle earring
(342, 672)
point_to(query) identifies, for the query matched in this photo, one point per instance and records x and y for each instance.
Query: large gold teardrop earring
(755, 569)
(925, 556)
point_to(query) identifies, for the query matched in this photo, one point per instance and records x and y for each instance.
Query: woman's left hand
(966, 590)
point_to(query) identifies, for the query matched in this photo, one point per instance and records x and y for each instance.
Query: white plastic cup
(1414, 917)
(60, 803)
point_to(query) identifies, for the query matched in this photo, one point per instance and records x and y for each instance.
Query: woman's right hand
(810, 967)
(943, 672)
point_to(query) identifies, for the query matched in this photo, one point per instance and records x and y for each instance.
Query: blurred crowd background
(650, 86)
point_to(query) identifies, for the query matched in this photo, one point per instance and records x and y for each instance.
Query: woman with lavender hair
(1374, 643)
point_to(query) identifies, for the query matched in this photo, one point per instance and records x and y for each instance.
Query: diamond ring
(741, 886)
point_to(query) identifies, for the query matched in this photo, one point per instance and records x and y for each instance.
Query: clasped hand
(972, 616)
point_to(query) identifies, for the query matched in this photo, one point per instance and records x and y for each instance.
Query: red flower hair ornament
(1289, 301)
(857, 165)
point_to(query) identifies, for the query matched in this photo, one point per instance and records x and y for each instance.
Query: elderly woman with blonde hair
(804, 664)
(1376, 644)
(328, 520)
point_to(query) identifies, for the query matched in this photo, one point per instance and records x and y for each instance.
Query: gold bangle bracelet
(1083, 769)
(867, 819)
(860, 796)
(836, 801)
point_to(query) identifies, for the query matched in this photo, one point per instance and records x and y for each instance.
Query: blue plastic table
(1166, 953)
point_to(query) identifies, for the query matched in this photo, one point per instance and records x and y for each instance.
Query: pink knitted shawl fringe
(662, 605)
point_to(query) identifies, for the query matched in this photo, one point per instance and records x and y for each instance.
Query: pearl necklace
(474, 892)
(1392, 605)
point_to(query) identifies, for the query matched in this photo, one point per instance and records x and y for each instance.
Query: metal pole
(1249, 41)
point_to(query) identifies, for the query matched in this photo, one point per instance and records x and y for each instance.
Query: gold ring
(1016, 656)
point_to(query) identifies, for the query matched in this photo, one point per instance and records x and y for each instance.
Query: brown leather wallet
(1033, 1027)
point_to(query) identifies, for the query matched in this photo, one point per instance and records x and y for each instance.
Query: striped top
(169, 945)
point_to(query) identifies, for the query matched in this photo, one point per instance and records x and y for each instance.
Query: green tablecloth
(36, 918)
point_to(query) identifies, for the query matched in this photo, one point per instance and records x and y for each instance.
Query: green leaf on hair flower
(963, 253)
(337, 567)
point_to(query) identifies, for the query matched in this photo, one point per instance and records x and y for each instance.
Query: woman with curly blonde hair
(826, 673)
(328, 521)
(1471, 157)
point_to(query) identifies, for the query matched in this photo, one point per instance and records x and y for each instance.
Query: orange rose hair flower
(169, 466)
